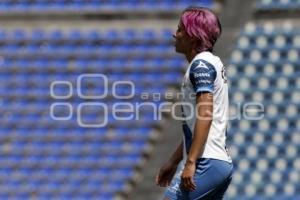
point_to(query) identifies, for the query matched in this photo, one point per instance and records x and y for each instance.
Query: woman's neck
(190, 55)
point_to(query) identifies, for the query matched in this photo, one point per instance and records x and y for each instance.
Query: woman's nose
(174, 35)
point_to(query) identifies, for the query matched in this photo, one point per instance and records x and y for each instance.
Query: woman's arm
(168, 170)
(203, 121)
(177, 155)
(204, 111)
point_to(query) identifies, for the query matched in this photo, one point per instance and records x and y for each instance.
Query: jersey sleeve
(202, 76)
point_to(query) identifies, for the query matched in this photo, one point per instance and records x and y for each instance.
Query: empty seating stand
(46, 158)
(93, 6)
(264, 69)
(275, 5)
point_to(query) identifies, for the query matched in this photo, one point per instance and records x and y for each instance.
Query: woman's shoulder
(210, 58)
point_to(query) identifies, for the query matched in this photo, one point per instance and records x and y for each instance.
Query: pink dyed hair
(202, 24)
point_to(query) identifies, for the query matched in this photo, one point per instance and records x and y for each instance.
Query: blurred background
(59, 141)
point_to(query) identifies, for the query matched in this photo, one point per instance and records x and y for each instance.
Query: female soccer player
(204, 169)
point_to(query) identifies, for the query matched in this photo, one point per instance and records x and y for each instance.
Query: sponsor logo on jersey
(223, 72)
(197, 75)
(203, 81)
(201, 65)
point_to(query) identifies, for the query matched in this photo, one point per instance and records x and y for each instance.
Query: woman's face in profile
(182, 39)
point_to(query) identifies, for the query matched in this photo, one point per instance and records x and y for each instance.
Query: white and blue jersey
(214, 167)
(206, 73)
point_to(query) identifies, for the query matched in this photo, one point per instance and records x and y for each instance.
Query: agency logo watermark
(156, 104)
